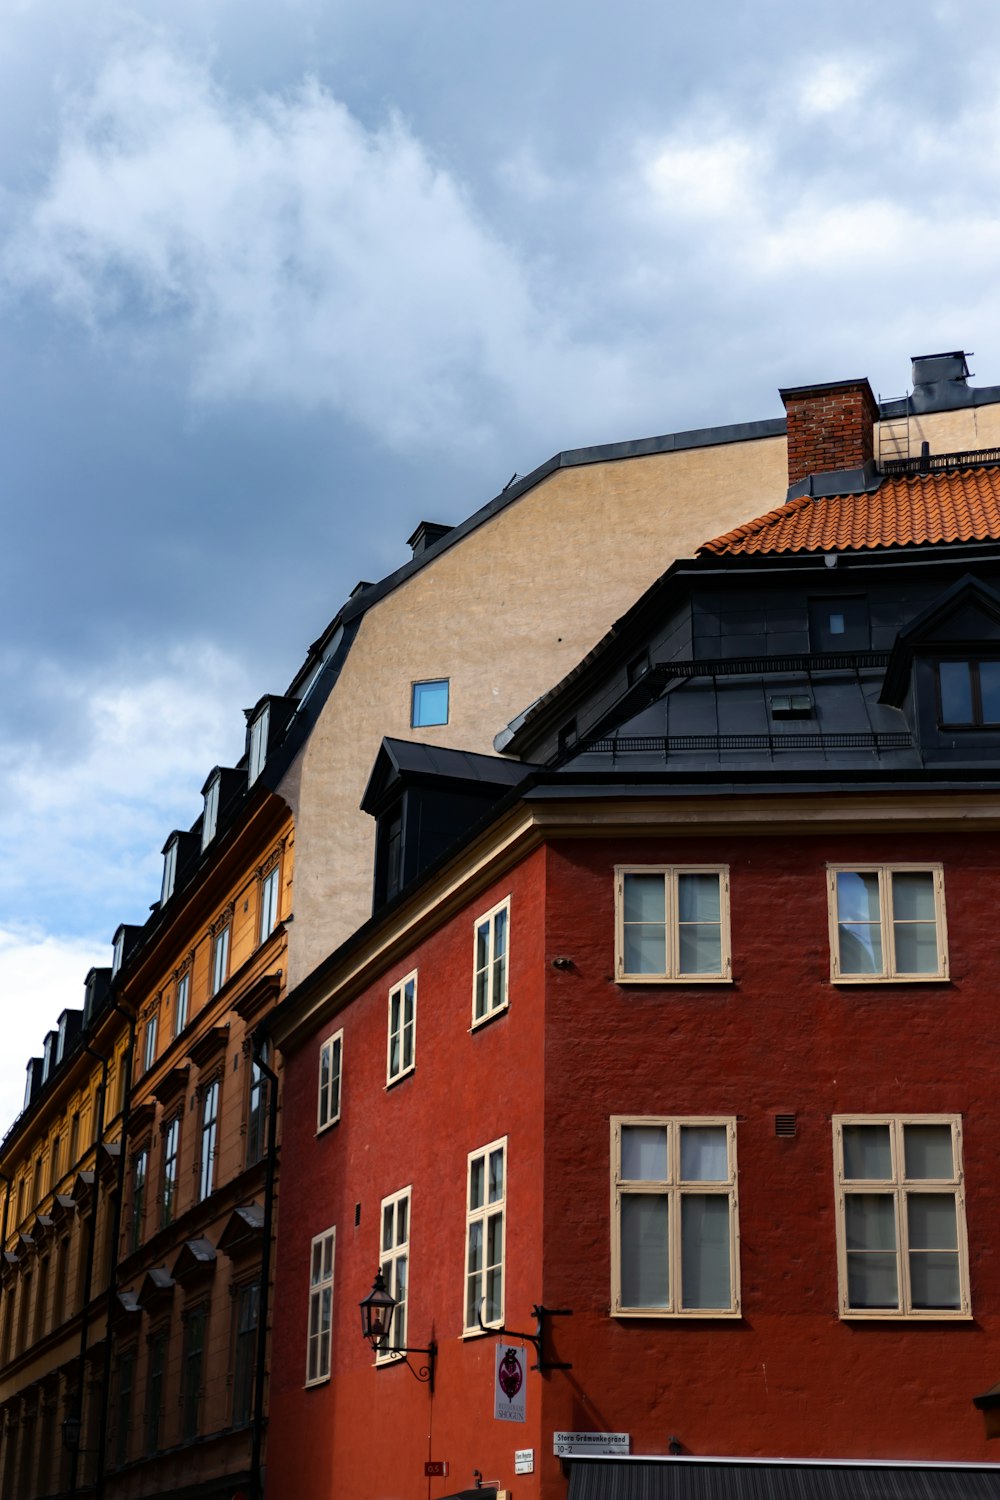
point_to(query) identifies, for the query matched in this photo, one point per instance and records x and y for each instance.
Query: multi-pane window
(969, 691)
(169, 870)
(429, 703)
(490, 956)
(331, 1056)
(320, 1308)
(209, 1139)
(182, 1003)
(672, 923)
(149, 1044)
(210, 816)
(484, 1240)
(268, 903)
(154, 1388)
(674, 1217)
(257, 1110)
(220, 958)
(123, 1413)
(247, 1312)
(192, 1371)
(140, 1168)
(258, 745)
(394, 1262)
(887, 922)
(171, 1157)
(901, 1245)
(402, 1028)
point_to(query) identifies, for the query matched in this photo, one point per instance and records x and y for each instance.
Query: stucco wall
(504, 614)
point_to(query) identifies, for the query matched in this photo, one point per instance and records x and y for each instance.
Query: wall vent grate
(784, 1126)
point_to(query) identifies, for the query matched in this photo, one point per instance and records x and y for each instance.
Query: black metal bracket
(536, 1339)
(423, 1373)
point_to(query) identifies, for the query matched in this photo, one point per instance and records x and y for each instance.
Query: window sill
(662, 1316)
(389, 1361)
(886, 1315)
(399, 1077)
(485, 1332)
(682, 979)
(883, 979)
(310, 1385)
(498, 1010)
(322, 1129)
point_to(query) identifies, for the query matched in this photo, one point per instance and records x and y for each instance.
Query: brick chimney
(831, 428)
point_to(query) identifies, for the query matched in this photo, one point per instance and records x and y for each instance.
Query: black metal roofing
(398, 759)
(719, 1479)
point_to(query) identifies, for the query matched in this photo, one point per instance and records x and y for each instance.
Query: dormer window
(258, 744)
(210, 817)
(118, 951)
(61, 1042)
(969, 692)
(169, 869)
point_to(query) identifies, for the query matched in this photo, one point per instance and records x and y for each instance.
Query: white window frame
(118, 951)
(329, 1093)
(270, 893)
(494, 1002)
(257, 753)
(208, 1139)
(394, 1263)
(672, 972)
(169, 871)
(398, 1030)
(480, 1216)
(149, 1042)
(674, 1188)
(890, 974)
(210, 812)
(182, 1002)
(319, 1332)
(221, 941)
(899, 1187)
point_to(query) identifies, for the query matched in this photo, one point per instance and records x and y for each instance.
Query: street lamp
(376, 1324)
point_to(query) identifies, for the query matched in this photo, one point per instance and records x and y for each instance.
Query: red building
(670, 1043)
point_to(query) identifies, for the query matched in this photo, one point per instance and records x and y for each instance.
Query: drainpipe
(89, 1266)
(259, 1042)
(88, 1273)
(116, 1225)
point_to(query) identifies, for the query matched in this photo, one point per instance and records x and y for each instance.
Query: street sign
(574, 1444)
(436, 1468)
(524, 1461)
(508, 1384)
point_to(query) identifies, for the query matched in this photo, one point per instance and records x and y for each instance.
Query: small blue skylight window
(430, 703)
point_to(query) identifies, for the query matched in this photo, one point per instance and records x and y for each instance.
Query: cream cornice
(531, 823)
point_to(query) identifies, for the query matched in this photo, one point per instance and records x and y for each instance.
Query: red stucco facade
(789, 1376)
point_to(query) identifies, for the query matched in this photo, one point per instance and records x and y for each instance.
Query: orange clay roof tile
(955, 505)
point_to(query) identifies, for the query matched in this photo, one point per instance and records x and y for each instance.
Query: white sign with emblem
(575, 1444)
(509, 1384)
(524, 1461)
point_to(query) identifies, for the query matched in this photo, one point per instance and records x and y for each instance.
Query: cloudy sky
(281, 278)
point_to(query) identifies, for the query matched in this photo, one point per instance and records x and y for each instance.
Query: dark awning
(717, 1479)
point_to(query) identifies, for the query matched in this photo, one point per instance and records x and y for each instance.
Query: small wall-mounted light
(376, 1324)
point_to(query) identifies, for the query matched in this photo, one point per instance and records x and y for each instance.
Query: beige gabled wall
(504, 614)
